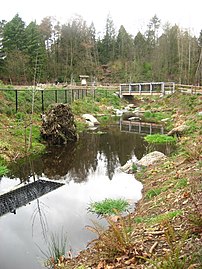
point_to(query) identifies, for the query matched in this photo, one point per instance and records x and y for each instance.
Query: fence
(21, 99)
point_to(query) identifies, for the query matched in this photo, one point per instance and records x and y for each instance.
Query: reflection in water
(74, 161)
(23, 195)
(90, 172)
(141, 127)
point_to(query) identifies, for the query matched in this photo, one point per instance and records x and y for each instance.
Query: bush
(159, 139)
(109, 206)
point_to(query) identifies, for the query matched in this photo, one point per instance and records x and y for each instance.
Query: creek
(51, 194)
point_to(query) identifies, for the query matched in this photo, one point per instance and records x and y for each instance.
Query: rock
(200, 113)
(90, 119)
(130, 107)
(127, 168)
(134, 118)
(58, 125)
(178, 130)
(165, 120)
(151, 158)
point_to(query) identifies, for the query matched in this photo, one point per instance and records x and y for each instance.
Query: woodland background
(50, 52)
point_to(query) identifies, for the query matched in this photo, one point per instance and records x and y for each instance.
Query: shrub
(109, 206)
(159, 139)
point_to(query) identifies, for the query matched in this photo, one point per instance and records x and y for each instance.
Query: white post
(150, 88)
(140, 88)
(120, 91)
(163, 88)
(129, 88)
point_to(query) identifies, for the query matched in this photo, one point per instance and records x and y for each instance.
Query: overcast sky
(134, 15)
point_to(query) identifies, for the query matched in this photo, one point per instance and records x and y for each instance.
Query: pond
(51, 194)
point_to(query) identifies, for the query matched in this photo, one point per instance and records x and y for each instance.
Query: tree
(152, 32)
(106, 46)
(14, 35)
(36, 51)
(2, 53)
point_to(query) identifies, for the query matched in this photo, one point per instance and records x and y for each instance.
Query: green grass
(181, 183)
(109, 206)
(57, 248)
(3, 170)
(155, 116)
(159, 139)
(159, 218)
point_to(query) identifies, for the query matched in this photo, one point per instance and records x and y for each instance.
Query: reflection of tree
(75, 161)
(40, 212)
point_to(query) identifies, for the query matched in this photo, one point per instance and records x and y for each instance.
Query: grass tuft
(109, 206)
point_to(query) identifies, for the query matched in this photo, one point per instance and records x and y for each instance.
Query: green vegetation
(159, 139)
(159, 218)
(109, 206)
(57, 249)
(116, 241)
(3, 170)
(155, 116)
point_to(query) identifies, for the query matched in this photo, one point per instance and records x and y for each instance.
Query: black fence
(22, 99)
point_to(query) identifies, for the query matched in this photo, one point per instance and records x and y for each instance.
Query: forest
(51, 52)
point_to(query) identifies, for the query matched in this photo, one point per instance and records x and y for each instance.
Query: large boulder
(58, 125)
(151, 158)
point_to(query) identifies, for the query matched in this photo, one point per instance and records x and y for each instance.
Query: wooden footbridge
(156, 88)
(146, 88)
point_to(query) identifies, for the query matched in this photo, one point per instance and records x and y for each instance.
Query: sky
(134, 15)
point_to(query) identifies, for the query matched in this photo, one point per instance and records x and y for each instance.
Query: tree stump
(58, 125)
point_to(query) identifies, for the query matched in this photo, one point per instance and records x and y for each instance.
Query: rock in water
(58, 125)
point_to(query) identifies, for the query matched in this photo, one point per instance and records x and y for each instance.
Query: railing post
(140, 88)
(72, 95)
(163, 88)
(120, 91)
(65, 96)
(129, 87)
(16, 101)
(173, 87)
(42, 101)
(56, 96)
(150, 88)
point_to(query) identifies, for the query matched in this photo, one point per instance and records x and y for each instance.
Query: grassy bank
(20, 132)
(165, 229)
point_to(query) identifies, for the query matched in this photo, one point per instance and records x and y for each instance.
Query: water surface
(89, 171)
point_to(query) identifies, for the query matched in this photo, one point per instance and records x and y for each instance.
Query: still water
(88, 171)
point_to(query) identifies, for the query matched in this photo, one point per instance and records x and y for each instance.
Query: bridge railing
(157, 88)
(191, 89)
(148, 88)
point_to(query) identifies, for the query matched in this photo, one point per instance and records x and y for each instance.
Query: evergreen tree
(36, 51)
(107, 44)
(14, 35)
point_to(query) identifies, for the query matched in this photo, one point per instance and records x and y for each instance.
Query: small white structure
(83, 79)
